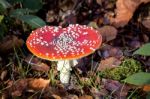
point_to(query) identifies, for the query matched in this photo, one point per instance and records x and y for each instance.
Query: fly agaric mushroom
(64, 45)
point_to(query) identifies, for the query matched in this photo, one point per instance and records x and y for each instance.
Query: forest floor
(124, 26)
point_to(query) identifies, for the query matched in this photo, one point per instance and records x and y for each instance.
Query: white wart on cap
(57, 43)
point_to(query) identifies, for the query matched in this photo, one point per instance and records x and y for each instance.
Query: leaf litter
(117, 20)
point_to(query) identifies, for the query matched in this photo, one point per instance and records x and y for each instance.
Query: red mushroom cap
(57, 43)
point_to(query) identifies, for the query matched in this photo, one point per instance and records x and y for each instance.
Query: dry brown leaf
(108, 33)
(41, 67)
(18, 87)
(71, 96)
(110, 51)
(98, 93)
(38, 84)
(116, 52)
(109, 63)
(36, 64)
(86, 97)
(3, 74)
(120, 91)
(56, 96)
(146, 88)
(125, 10)
(59, 90)
(9, 42)
(32, 60)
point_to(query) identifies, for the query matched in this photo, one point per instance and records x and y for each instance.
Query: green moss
(126, 68)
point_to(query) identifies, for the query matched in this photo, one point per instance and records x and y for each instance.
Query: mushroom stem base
(65, 67)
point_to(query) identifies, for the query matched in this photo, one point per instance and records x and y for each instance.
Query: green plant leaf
(33, 21)
(1, 18)
(144, 50)
(19, 12)
(5, 4)
(32, 4)
(141, 78)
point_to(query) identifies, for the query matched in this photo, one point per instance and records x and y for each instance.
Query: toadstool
(64, 45)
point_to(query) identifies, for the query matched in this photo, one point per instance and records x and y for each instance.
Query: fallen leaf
(125, 10)
(59, 90)
(116, 52)
(134, 44)
(18, 87)
(41, 67)
(108, 33)
(38, 84)
(86, 97)
(99, 93)
(71, 97)
(82, 63)
(146, 88)
(30, 59)
(3, 74)
(108, 63)
(56, 96)
(36, 64)
(9, 43)
(104, 52)
(16, 93)
(119, 90)
(110, 51)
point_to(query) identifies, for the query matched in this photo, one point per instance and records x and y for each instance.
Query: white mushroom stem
(64, 67)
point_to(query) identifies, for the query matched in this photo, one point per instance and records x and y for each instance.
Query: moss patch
(126, 68)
